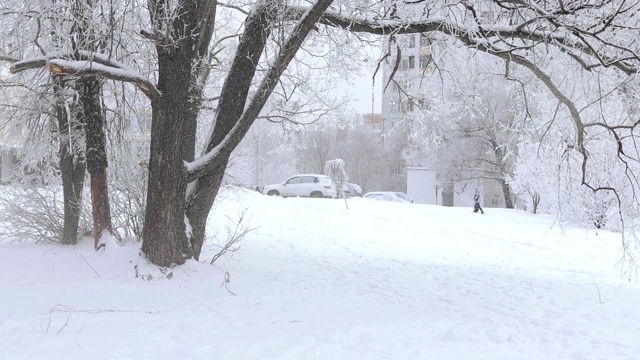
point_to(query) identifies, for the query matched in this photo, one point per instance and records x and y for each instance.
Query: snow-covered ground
(317, 281)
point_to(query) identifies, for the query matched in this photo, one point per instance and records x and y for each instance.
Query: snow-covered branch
(539, 28)
(208, 163)
(86, 68)
(90, 64)
(10, 59)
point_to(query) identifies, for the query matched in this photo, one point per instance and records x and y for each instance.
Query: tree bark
(165, 241)
(502, 170)
(88, 87)
(72, 167)
(230, 107)
(200, 203)
(96, 156)
(100, 207)
(535, 199)
(506, 190)
(233, 118)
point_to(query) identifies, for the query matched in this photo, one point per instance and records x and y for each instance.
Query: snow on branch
(529, 31)
(85, 68)
(213, 158)
(8, 58)
(90, 64)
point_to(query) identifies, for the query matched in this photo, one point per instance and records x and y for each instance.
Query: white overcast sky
(361, 92)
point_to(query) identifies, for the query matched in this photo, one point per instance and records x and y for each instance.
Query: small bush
(36, 214)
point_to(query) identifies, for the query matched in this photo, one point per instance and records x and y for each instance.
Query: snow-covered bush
(335, 170)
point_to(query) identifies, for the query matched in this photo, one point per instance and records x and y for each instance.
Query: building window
(398, 107)
(401, 107)
(424, 41)
(408, 63)
(422, 104)
(412, 41)
(403, 85)
(139, 123)
(424, 61)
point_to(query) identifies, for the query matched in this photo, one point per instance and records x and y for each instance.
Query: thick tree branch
(85, 68)
(571, 38)
(91, 64)
(208, 163)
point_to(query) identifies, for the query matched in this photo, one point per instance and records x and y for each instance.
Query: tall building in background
(403, 77)
(404, 73)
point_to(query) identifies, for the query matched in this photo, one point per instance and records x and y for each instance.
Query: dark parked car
(353, 190)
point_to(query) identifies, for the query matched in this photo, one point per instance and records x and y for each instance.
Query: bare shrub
(128, 191)
(236, 231)
(36, 214)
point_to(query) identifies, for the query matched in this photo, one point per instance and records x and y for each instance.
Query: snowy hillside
(317, 281)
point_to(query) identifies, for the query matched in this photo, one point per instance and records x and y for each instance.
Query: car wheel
(273, 193)
(316, 194)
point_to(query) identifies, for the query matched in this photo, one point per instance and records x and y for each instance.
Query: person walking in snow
(476, 203)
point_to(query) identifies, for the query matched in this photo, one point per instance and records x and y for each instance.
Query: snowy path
(317, 281)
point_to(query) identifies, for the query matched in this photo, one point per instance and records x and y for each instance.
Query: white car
(388, 196)
(307, 185)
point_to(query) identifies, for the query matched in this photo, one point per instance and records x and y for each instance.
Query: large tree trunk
(165, 241)
(233, 112)
(502, 168)
(91, 113)
(506, 190)
(201, 201)
(96, 157)
(100, 207)
(535, 199)
(72, 167)
(230, 107)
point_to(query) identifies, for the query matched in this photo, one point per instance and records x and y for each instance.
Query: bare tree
(473, 133)
(78, 110)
